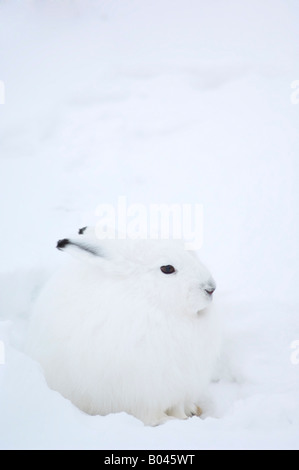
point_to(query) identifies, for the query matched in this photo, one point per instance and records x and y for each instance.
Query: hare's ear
(86, 231)
(86, 249)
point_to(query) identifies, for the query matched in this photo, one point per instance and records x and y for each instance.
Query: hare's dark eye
(167, 269)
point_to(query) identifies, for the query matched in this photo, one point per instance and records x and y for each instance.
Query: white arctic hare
(125, 327)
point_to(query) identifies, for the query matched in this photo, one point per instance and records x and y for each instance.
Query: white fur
(113, 333)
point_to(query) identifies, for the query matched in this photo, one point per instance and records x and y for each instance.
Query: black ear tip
(82, 230)
(62, 243)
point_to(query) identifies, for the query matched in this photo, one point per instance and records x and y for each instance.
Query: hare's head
(161, 273)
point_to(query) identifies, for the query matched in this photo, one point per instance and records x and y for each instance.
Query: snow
(161, 102)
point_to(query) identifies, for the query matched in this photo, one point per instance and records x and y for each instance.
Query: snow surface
(161, 101)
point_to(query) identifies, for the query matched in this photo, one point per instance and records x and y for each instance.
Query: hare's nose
(210, 290)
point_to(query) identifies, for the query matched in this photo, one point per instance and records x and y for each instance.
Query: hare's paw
(192, 409)
(157, 420)
(177, 412)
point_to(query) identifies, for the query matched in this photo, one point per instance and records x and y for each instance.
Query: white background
(162, 102)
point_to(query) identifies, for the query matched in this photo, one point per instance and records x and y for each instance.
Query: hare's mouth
(202, 312)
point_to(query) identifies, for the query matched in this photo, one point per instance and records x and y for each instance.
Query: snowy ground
(160, 101)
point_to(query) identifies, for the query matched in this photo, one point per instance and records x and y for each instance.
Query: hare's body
(108, 342)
